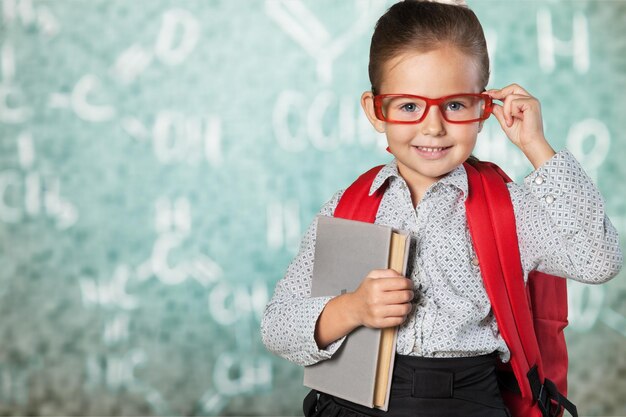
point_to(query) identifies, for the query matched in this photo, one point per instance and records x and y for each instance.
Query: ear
(480, 125)
(367, 103)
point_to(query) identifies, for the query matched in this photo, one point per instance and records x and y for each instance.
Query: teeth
(423, 148)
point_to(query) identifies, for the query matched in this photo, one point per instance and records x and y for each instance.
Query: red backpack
(530, 317)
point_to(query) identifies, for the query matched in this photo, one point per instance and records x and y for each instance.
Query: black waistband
(441, 383)
(442, 377)
(418, 362)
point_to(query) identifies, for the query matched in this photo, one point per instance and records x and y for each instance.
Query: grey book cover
(345, 252)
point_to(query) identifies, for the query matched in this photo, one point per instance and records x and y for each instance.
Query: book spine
(397, 254)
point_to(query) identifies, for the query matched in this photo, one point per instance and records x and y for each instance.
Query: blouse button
(475, 261)
(549, 199)
(539, 180)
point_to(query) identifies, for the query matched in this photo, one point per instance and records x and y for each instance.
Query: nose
(433, 123)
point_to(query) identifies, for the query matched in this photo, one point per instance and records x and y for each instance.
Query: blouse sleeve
(288, 323)
(562, 226)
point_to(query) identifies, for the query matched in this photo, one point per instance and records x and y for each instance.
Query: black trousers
(427, 387)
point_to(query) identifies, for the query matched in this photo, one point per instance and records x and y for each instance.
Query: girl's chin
(411, 167)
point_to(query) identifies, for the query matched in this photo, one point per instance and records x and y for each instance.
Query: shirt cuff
(546, 182)
(317, 306)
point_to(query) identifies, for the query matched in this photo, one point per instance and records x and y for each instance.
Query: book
(345, 252)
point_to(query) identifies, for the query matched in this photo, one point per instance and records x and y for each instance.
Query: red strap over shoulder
(495, 241)
(356, 203)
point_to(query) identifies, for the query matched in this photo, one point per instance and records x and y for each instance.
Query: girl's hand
(383, 299)
(520, 118)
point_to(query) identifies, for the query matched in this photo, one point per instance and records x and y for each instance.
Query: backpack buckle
(549, 399)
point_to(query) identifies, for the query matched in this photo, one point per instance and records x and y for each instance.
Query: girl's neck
(417, 184)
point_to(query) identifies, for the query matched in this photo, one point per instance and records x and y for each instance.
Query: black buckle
(549, 399)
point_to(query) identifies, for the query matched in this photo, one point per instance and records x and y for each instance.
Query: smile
(433, 153)
(426, 149)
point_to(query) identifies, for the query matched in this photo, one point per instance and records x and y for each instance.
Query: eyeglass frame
(429, 102)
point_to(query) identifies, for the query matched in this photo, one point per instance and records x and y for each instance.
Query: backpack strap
(486, 241)
(491, 220)
(356, 203)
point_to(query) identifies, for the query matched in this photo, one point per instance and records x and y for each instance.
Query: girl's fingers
(499, 113)
(507, 95)
(508, 107)
(516, 108)
(508, 110)
(508, 90)
(396, 310)
(503, 114)
(519, 106)
(399, 297)
(505, 119)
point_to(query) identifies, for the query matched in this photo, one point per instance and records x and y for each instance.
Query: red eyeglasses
(409, 109)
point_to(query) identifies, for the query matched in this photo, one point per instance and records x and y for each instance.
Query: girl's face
(433, 74)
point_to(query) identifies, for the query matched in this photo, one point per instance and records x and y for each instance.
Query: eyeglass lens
(458, 108)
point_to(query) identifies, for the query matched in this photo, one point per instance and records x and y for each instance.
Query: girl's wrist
(351, 314)
(335, 321)
(538, 152)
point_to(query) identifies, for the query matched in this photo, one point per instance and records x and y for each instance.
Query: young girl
(434, 50)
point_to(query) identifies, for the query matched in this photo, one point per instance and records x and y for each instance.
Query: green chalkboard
(160, 161)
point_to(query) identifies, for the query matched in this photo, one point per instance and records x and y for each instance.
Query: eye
(409, 107)
(455, 105)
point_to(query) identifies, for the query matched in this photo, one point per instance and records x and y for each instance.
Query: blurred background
(160, 161)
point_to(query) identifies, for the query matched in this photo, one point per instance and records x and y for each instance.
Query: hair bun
(461, 3)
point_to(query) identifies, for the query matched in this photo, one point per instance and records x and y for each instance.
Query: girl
(420, 52)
